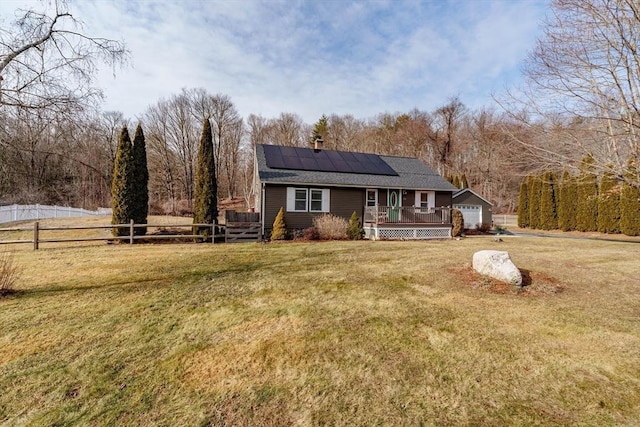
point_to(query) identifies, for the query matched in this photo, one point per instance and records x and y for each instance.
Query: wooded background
(58, 147)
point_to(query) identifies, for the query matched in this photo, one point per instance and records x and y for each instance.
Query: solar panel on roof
(279, 157)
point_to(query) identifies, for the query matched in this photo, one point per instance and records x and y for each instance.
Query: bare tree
(47, 61)
(584, 74)
(445, 124)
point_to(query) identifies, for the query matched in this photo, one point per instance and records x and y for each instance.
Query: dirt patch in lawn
(533, 283)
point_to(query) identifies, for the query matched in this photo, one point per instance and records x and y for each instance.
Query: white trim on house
(454, 195)
(294, 199)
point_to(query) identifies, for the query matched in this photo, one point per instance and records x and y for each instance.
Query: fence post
(131, 232)
(213, 232)
(36, 232)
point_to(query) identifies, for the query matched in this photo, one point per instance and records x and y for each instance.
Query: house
(395, 197)
(475, 209)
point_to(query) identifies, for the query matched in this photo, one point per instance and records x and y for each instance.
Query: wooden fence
(130, 237)
(242, 227)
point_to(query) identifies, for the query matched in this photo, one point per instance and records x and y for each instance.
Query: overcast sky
(313, 57)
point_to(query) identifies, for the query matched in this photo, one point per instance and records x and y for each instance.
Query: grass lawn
(330, 333)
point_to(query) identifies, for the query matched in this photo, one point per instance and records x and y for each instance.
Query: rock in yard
(497, 264)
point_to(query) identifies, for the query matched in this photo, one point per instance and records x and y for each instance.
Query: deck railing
(406, 215)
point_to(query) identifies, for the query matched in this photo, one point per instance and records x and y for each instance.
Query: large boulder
(498, 265)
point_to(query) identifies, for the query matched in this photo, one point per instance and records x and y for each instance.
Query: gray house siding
(343, 202)
(471, 199)
(443, 199)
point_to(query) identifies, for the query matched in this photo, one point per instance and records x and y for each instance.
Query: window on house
(300, 200)
(316, 201)
(372, 197)
(424, 201)
(307, 200)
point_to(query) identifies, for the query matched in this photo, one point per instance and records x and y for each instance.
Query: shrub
(331, 227)
(523, 204)
(568, 205)
(279, 229)
(483, 228)
(355, 230)
(630, 203)
(587, 202)
(310, 233)
(609, 204)
(9, 273)
(457, 219)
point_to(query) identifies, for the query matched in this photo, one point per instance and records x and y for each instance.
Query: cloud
(310, 58)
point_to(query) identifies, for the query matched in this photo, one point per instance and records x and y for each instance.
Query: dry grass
(337, 333)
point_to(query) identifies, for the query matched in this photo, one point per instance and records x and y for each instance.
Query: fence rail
(406, 215)
(131, 236)
(12, 213)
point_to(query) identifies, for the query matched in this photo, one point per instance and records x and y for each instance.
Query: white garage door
(472, 215)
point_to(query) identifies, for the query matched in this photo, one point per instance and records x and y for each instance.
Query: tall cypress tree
(122, 197)
(587, 208)
(141, 181)
(523, 204)
(567, 203)
(609, 204)
(630, 204)
(534, 201)
(205, 207)
(548, 219)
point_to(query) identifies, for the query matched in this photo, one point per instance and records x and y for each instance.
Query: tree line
(585, 202)
(58, 147)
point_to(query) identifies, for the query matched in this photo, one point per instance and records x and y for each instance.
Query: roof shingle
(412, 174)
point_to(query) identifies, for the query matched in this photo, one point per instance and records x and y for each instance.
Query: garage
(475, 209)
(472, 215)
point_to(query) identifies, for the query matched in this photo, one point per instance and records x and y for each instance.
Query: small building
(475, 209)
(395, 197)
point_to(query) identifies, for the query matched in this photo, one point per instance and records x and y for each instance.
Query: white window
(372, 197)
(315, 204)
(425, 200)
(301, 200)
(307, 200)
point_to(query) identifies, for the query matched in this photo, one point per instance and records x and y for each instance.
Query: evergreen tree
(609, 204)
(279, 228)
(354, 230)
(463, 181)
(122, 197)
(457, 221)
(535, 185)
(456, 181)
(523, 204)
(567, 203)
(320, 129)
(141, 181)
(205, 206)
(587, 202)
(548, 217)
(449, 178)
(630, 204)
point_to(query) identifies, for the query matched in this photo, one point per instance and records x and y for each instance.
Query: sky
(312, 57)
